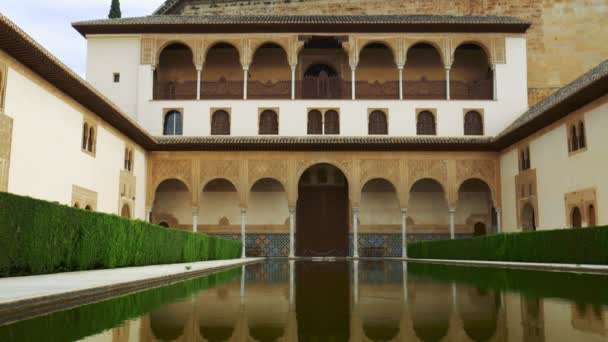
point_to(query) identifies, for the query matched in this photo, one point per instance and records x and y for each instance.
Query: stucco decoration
(216, 169)
(161, 170)
(489, 45)
(583, 200)
(84, 198)
(484, 170)
(428, 169)
(380, 168)
(6, 137)
(275, 169)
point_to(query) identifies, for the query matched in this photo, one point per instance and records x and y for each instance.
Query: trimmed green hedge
(567, 246)
(38, 237)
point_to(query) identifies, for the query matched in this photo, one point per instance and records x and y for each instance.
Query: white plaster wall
(557, 173)
(512, 101)
(107, 55)
(46, 155)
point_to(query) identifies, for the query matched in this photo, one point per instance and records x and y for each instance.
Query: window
(220, 123)
(173, 123)
(378, 124)
(269, 123)
(591, 213)
(577, 137)
(89, 142)
(524, 159)
(473, 123)
(425, 124)
(128, 159)
(332, 122)
(576, 218)
(116, 77)
(85, 136)
(315, 122)
(2, 84)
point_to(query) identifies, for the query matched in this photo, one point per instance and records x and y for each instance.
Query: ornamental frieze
(380, 168)
(162, 170)
(428, 168)
(481, 169)
(276, 169)
(214, 169)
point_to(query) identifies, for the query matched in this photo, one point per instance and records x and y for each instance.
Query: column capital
(404, 211)
(243, 211)
(199, 67)
(447, 67)
(452, 210)
(356, 210)
(293, 67)
(292, 210)
(400, 67)
(245, 67)
(353, 67)
(195, 210)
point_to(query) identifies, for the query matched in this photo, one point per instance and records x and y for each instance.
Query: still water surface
(343, 301)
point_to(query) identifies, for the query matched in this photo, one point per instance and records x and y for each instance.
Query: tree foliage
(115, 10)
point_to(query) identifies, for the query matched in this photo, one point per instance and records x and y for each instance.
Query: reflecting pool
(343, 301)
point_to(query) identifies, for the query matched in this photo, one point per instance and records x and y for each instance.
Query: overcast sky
(49, 22)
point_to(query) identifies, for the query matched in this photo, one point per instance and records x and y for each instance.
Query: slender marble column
(245, 80)
(195, 220)
(353, 82)
(447, 83)
(498, 221)
(243, 234)
(495, 84)
(292, 232)
(149, 215)
(404, 232)
(293, 82)
(199, 70)
(355, 232)
(452, 224)
(400, 82)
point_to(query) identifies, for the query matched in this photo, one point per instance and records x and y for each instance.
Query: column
(293, 82)
(243, 235)
(153, 88)
(292, 232)
(404, 232)
(495, 84)
(452, 223)
(498, 221)
(400, 67)
(447, 83)
(149, 215)
(353, 82)
(195, 220)
(199, 69)
(355, 232)
(245, 80)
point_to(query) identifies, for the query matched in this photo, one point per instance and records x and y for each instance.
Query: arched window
(128, 159)
(473, 123)
(315, 122)
(573, 139)
(591, 213)
(269, 123)
(91, 141)
(332, 122)
(582, 143)
(426, 123)
(85, 136)
(173, 123)
(576, 218)
(88, 208)
(528, 218)
(220, 123)
(378, 124)
(164, 224)
(76, 205)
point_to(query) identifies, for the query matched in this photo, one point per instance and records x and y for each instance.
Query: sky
(49, 23)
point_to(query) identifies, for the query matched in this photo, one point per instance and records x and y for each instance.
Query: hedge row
(567, 246)
(38, 237)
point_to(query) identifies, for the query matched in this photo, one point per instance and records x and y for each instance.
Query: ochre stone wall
(565, 39)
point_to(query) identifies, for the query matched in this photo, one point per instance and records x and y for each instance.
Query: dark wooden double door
(322, 221)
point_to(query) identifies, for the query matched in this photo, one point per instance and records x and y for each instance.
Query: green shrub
(38, 237)
(566, 246)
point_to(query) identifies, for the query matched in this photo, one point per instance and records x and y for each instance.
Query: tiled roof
(562, 102)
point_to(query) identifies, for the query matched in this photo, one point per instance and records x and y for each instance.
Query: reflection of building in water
(589, 318)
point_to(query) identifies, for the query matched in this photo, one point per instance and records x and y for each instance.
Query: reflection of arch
(431, 309)
(168, 323)
(478, 309)
(528, 217)
(164, 224)
(381, 331)
(576, 218)
(266, 332)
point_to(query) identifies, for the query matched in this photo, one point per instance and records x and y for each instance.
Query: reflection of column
(199, 69)
(355, 232)
(293, 82)
(243, 226)
(149, 215)
(452, 224)
(353, 82)
(245, 80)
(292, 278)
(356, 281)
(292, 230)
(498, 223)
(195, 220)
(404, 232)
(242, 293)
(454, 301)
(447, 82)
(400, 67)
(404, 270)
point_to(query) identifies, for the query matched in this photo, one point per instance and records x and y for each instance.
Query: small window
(524, 159)
(89, 138)
(315, 122)
(378, 124)
(85, 136)
(128, 159)
(577, 137)
(173, 123)
(473, 123)
(116, 77)
(332, 122)
(425, 124)
(269, 123)
(220, 123)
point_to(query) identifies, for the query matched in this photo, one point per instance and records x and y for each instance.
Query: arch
(77, 205)
(471, 75)
(269, 122)
(220, 202)
(163, 47)
(379, 209)
(424, 76)
(528, 217)
(429, 204)
(163, 224)
(377, 76)
(173, 123)
(268, 180)
(426, 43)
(591, 216)
(479, 229)
(223, 74)
(426, 123)
(315, 122)
(220, 123)
(88, 208)
(480, 182)
(332, 122)
(473, 123)
(172, 197)
(576, 218)
(322, 211)
(125, 211)
(472, 42)
(377, 123)
(175, 73)
(269, 73)
(221, 43)
(325, 161)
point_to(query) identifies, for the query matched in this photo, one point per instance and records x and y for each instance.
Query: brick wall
(565, 39)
